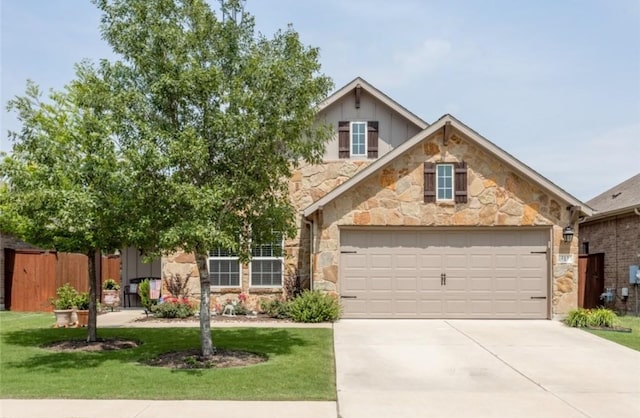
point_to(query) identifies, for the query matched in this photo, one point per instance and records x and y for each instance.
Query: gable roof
(339, 94)
(623, 197)
(478, 139)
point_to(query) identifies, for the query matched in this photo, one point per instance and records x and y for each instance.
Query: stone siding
(619, 239)
(497, 196)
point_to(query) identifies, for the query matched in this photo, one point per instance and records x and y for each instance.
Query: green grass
(631, 340)
(300, 364)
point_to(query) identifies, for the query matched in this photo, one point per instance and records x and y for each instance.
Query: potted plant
(63, 303)
(82, 309)
(111, 293)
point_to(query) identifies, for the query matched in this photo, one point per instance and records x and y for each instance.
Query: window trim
(262, 258)
(366, 134)
(230, 286)
(453, 185)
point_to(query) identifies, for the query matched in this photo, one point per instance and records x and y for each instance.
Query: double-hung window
(445, 181)
(358, 139)
(224, 268)
(267, 264)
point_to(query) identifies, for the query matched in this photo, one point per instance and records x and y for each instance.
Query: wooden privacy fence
(32, 277)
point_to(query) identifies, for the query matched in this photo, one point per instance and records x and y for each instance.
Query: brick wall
(619, 239)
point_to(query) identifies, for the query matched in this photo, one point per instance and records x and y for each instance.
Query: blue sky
(556, 83)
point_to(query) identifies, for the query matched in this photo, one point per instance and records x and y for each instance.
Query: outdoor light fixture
(567, 234)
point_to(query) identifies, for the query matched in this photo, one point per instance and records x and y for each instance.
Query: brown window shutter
(429, 182)
(343, 139)
(460, 182)
(372, 139)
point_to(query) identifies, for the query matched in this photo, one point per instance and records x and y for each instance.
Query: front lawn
(631, 340)
(300, 364)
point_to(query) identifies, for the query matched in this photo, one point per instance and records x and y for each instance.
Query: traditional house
(406, 219)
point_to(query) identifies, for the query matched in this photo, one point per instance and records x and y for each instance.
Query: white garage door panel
(489, 273)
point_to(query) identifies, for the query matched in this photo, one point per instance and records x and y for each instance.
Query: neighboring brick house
(614, 230)
(410, 220)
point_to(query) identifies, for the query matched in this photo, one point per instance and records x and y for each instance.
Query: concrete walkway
(476, 368)
(126, 318)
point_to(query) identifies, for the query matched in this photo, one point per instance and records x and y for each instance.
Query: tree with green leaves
(211, 118)
(62, 179)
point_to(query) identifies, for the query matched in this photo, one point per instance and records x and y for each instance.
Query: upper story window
(358, 139)
(267, 264)
(224, 268)
(445, 182)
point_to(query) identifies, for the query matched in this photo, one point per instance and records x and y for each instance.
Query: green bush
(82, 301)
(603, 317)
(174, 308)
(275, 308)
(582, 318)
(144, 291)
(314, 306)
(66, 297)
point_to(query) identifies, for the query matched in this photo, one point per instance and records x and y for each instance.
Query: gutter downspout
(310, 225)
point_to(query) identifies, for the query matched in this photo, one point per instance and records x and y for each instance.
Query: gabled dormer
(367, 123)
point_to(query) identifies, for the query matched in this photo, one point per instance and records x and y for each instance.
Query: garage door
(478, 273)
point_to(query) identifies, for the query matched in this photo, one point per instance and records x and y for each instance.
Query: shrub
(82, 301)
(174, 308)
(66, 297)
(144, 292)
(110, 284)
(275, 308)
(314, 306)
(582, 318)
(603, 317)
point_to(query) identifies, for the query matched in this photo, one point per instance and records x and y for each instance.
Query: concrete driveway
(476, 368)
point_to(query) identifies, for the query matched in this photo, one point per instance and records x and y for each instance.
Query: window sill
(445, 202)
(225, 289)
(264, 290)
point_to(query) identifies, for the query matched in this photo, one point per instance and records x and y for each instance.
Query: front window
(445, 181)
(266, 264)
(224, 268)
(358, 138)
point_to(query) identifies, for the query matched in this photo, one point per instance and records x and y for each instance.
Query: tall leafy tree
(62, 178)
(212, 117)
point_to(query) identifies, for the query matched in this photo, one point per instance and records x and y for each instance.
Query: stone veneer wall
(619, 239)
(497, 196)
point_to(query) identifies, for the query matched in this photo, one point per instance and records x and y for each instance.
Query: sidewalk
(126, 318)
(66, 408)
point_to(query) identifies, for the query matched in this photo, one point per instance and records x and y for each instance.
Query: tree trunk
(92, 327)
(206, 342)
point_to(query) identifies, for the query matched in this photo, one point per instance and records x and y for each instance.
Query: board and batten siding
(393, 128)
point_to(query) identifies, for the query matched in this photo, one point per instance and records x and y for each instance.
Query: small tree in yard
(212, 118)
(63, 178)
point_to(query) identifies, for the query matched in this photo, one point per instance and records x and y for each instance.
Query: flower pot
(83, 318)
(63, 317)
(111, 298)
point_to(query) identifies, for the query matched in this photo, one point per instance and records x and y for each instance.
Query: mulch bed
(103, 344)
(191, 359)
(214, 319)
(185, 359)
